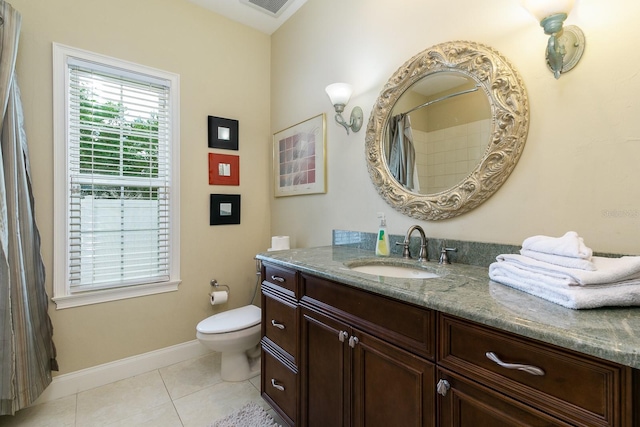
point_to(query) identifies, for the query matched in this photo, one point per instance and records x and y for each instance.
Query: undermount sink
(386, 270)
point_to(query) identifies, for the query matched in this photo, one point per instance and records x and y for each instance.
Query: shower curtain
(27, 353)
(402, 156)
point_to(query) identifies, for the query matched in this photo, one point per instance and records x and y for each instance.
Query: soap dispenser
(382, 242)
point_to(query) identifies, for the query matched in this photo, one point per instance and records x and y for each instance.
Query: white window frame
(62, 295)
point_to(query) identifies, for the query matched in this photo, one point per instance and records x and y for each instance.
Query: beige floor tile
(120, 400)
(256, 382)
(57, 413)
(200, 409)
(161, 416)
(192, 375)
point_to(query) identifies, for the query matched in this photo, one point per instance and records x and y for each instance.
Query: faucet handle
(406, 253)
(444, 258)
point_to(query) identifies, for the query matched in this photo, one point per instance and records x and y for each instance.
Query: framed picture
(224, 209)
(299, 158)
(224, 169)
(223, 133)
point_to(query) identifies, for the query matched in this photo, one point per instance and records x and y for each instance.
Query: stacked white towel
(569, 245)
(563, 270)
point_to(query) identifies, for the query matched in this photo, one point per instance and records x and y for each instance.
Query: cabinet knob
(353, 341)
(277, 325)
(278, 279)
(342, 335)
(443, 387)
(276, 385)
(533, 370)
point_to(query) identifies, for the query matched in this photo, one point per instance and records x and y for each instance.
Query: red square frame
(215, 178)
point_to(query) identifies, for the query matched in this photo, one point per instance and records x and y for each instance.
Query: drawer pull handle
(276, 385)
(353, 341)
(533, 370)
(277, 325)
(443, 387)
(342, 335)
(278, 279)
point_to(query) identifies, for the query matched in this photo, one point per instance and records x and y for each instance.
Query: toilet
(236, 334)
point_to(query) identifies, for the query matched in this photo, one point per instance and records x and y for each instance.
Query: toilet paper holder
(215, 283)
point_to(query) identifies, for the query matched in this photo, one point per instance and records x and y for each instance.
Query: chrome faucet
(406, 253)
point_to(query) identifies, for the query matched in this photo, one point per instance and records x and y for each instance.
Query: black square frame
(224, 209)
(223, 133)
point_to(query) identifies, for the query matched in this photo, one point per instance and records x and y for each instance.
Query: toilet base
(238, 366)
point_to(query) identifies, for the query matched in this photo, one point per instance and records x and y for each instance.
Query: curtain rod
(451, 95)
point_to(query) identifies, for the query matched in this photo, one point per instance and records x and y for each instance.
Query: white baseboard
(86, 379)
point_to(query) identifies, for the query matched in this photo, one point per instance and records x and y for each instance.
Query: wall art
(223, 133)
(224, 209)
(299, 158)
(224, 169)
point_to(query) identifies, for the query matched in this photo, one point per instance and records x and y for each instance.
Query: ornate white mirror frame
(509, 120)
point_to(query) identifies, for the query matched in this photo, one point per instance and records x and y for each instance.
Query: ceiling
(248, 12)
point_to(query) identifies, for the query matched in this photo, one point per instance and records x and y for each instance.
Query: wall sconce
(339, 94)
(565, 45)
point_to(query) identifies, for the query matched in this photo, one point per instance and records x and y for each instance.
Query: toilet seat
(230, 320)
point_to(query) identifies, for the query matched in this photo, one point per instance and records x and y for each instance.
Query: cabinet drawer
(279, 385)
(576, 388)
(282, 277)
(408, 326)
(281, 324)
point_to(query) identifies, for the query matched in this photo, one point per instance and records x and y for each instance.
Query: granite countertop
(466, 291)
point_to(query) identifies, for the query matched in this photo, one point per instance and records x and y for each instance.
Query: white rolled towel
(569, 245)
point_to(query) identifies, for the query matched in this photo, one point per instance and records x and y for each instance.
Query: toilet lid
(231, 320)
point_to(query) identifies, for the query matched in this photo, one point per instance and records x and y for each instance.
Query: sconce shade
(544, 8)
(339, 93)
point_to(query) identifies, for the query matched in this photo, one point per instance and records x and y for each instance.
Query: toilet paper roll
(219, 297)
(279, 243)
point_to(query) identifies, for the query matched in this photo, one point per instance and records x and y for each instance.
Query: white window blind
(119, 178)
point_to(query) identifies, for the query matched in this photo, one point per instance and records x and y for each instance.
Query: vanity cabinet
(350, 377)
(349, 357)
(279, 381)
(573, 388)
(358, 361)
(468, 403)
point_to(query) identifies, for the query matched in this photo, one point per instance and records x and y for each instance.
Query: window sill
(106, 295)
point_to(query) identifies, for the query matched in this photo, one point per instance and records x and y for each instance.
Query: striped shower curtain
(27, 354)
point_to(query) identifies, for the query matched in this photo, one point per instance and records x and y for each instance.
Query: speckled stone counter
(466, 291)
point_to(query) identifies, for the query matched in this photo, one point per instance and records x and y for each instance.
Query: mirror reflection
(452, 164)
(438, 132)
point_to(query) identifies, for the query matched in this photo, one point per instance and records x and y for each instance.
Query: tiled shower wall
(446, 156)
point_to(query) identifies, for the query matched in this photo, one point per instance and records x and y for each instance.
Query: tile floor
(187, 394)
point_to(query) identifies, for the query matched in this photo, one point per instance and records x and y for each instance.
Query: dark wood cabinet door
(469, 404)
(391, 387)
(325, 371)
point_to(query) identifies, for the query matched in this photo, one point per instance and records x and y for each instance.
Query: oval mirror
(447, 130)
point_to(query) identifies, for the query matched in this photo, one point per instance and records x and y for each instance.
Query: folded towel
(569, 245)
(563, 261)
(608, 270)
(575, 297)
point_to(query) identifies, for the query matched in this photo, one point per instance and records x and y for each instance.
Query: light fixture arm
(565, 45)
(555, 50)
(356, 118)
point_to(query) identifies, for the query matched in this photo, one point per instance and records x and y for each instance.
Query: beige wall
(224, 71)
(579, 167)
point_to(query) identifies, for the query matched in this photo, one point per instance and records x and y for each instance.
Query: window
(116, 189)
